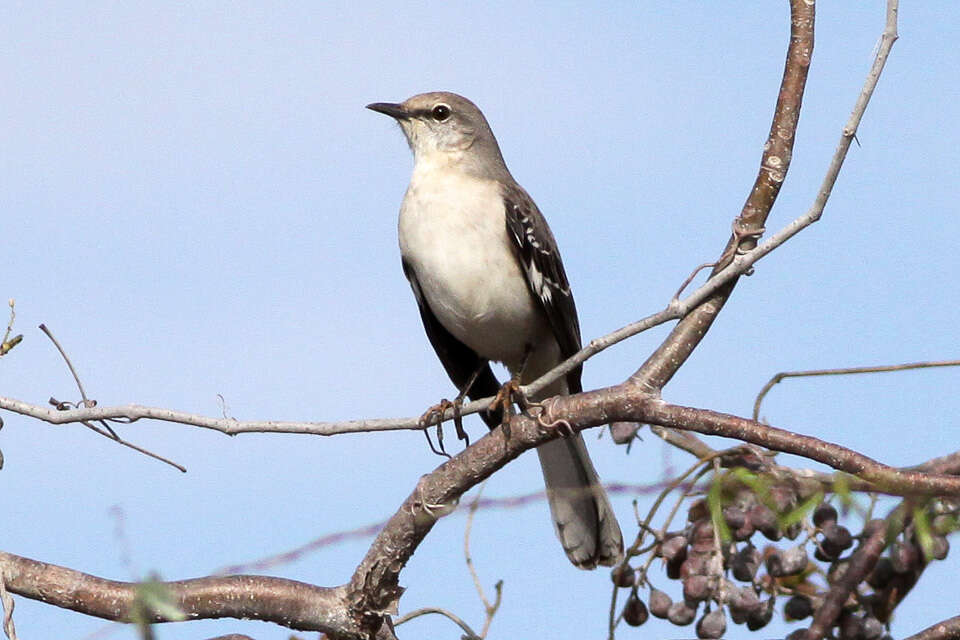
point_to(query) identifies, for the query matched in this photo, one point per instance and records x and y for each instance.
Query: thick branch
(623, 403)
(774, 163)
(948, 629)
(295, 605)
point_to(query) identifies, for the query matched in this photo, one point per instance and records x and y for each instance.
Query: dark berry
(674, 548)
(764, 521)
(622, 575)
(761, 617)
(824, 513)
(634, 611)
(904, 557)
(872, 628)
(743, 603)
(745, 563)
(787, 562)
(680, 614)
(674, 569)
(659, 603)
(712, 625)
(696, 589)
(836, 540)
(798, 607)
(735, 517)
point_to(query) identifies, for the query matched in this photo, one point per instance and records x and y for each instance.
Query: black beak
(395, 111)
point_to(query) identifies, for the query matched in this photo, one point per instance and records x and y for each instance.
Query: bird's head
(445, 128)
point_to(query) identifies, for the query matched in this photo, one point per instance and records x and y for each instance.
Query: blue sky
(195, 201)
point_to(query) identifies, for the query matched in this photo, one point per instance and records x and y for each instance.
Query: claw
(434, 416)
(561, 426)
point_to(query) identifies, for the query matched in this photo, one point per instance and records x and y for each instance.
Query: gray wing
(459, 360)
(539, 257)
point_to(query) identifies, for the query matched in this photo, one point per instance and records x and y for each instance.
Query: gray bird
(487, 276)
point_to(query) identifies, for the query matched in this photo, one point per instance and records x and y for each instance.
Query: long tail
(582, 515)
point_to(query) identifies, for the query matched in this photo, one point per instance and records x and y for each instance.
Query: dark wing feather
(459, 360)
(540, 260)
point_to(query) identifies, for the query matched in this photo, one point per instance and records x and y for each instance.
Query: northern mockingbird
(488, 279)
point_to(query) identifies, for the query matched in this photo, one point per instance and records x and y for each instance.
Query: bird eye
(440, 112)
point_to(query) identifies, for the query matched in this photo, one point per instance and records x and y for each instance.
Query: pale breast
(453, 234)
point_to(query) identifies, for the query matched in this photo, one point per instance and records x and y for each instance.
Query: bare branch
(295, 605)
(948, 629)
(776, 379)
(748, 226)
(471, 634)
(73, 372)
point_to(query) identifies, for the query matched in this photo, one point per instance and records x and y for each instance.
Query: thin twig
(843, 372)
(88, 404)
(9, 343)
(690, 278)
(466, 547)
(111, 435)
(83, 394)
(13, 316)
(443, 612)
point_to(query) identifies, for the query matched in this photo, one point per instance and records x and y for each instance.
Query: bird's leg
(510, 392)
(458, 403)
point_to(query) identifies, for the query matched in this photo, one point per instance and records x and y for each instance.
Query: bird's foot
(510, 394)
(434, 416)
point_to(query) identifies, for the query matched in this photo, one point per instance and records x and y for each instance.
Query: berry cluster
(724, 574)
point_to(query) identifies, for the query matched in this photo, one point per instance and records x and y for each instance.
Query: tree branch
(948, 629)
(295, 605)
(748, 226)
